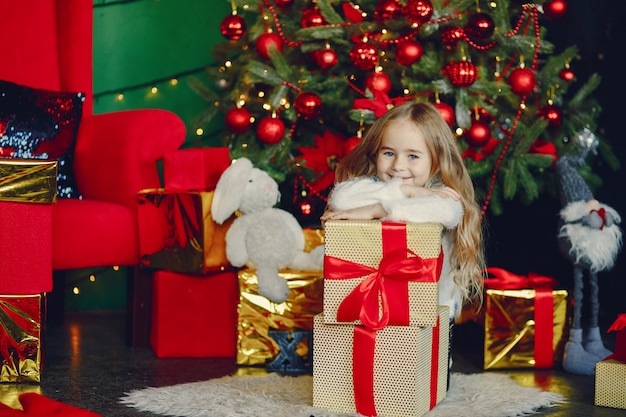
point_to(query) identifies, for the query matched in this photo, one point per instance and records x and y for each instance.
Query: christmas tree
(299, 81)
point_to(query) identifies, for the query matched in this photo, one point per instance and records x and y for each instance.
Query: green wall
(144, 43)
(138, 44)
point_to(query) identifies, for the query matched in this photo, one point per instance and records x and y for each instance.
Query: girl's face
(403, 154)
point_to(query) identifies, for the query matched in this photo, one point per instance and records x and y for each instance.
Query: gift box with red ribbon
(194, 316)
(610, 388)
(194, 169)
(20, 338)
(524, 319)
(394, 371)
(177, 232)
(381, 273)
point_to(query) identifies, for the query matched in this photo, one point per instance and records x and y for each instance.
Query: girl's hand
(373, 211)
(411, 191)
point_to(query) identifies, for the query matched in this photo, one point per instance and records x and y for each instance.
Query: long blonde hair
(448, 169)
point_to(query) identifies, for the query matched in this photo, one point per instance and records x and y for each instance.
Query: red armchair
(115, 154)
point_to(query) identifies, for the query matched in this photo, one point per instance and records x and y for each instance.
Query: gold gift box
(362, 242)
(178, 233)
(510, 324)
(257, 315)
(20, 331)
(28, 180)
(610, 389)
(403, 357)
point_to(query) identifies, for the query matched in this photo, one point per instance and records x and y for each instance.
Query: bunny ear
(229, 189)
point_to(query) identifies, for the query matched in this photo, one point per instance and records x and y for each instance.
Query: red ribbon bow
(401, 265)
(505, 280)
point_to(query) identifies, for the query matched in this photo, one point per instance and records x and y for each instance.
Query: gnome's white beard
(595, 247)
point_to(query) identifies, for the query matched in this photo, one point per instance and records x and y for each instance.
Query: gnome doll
(590, 238)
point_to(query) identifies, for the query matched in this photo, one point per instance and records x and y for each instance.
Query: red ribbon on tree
(544, 308)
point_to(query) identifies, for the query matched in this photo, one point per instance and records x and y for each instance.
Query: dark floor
(88, 365)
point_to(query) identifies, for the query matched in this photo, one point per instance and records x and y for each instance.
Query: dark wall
(523, 240)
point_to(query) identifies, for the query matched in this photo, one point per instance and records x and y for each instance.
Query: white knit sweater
(433, 209)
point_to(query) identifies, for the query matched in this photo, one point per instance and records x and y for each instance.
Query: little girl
(408, 168)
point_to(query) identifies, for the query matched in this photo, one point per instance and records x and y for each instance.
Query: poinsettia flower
(323, 157)
(380, 104)
(471, 152)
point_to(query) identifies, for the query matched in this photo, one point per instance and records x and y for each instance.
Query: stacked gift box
(194, 290)
(28, 189)
(380, 346)
(610, 389)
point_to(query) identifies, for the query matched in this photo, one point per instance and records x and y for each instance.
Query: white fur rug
(470, 395)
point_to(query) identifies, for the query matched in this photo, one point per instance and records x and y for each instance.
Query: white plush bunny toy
(262, 237)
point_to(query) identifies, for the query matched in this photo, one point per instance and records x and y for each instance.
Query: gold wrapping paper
(402, 367)
(610, 389)
(361, 241)
(257, 315)
(20, 338)
(510, 327)
(177, 232)
(28, 180)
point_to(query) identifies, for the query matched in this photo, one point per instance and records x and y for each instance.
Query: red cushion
(111, 223)
(25, 235)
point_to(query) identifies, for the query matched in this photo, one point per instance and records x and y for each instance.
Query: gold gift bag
(524, 328)
(257, 315)
(20, 331)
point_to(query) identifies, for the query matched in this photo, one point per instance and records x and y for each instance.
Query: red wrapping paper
(619, 326)
(196, 169)
(177, 232)
(194, 316)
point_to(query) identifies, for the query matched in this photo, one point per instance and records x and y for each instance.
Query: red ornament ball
(233, 27)
(351, 143)
(312, 17)
(522, 81)
(418, 11)
(478, 134)
(267, 41)
(326, 58)
(308, 105)
(552, 114)
(446, 111)
(364, 55)
(409, 52)
(388, 9)
(283, 3)
(554, 9)
(567, 74)
(238, 120)
(378, 81)
(452, 35)
(461, 73)
(270, 130)
(480, 27)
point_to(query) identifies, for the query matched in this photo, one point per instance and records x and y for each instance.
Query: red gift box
(194, 169)
(27, 196)
(194, 316)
